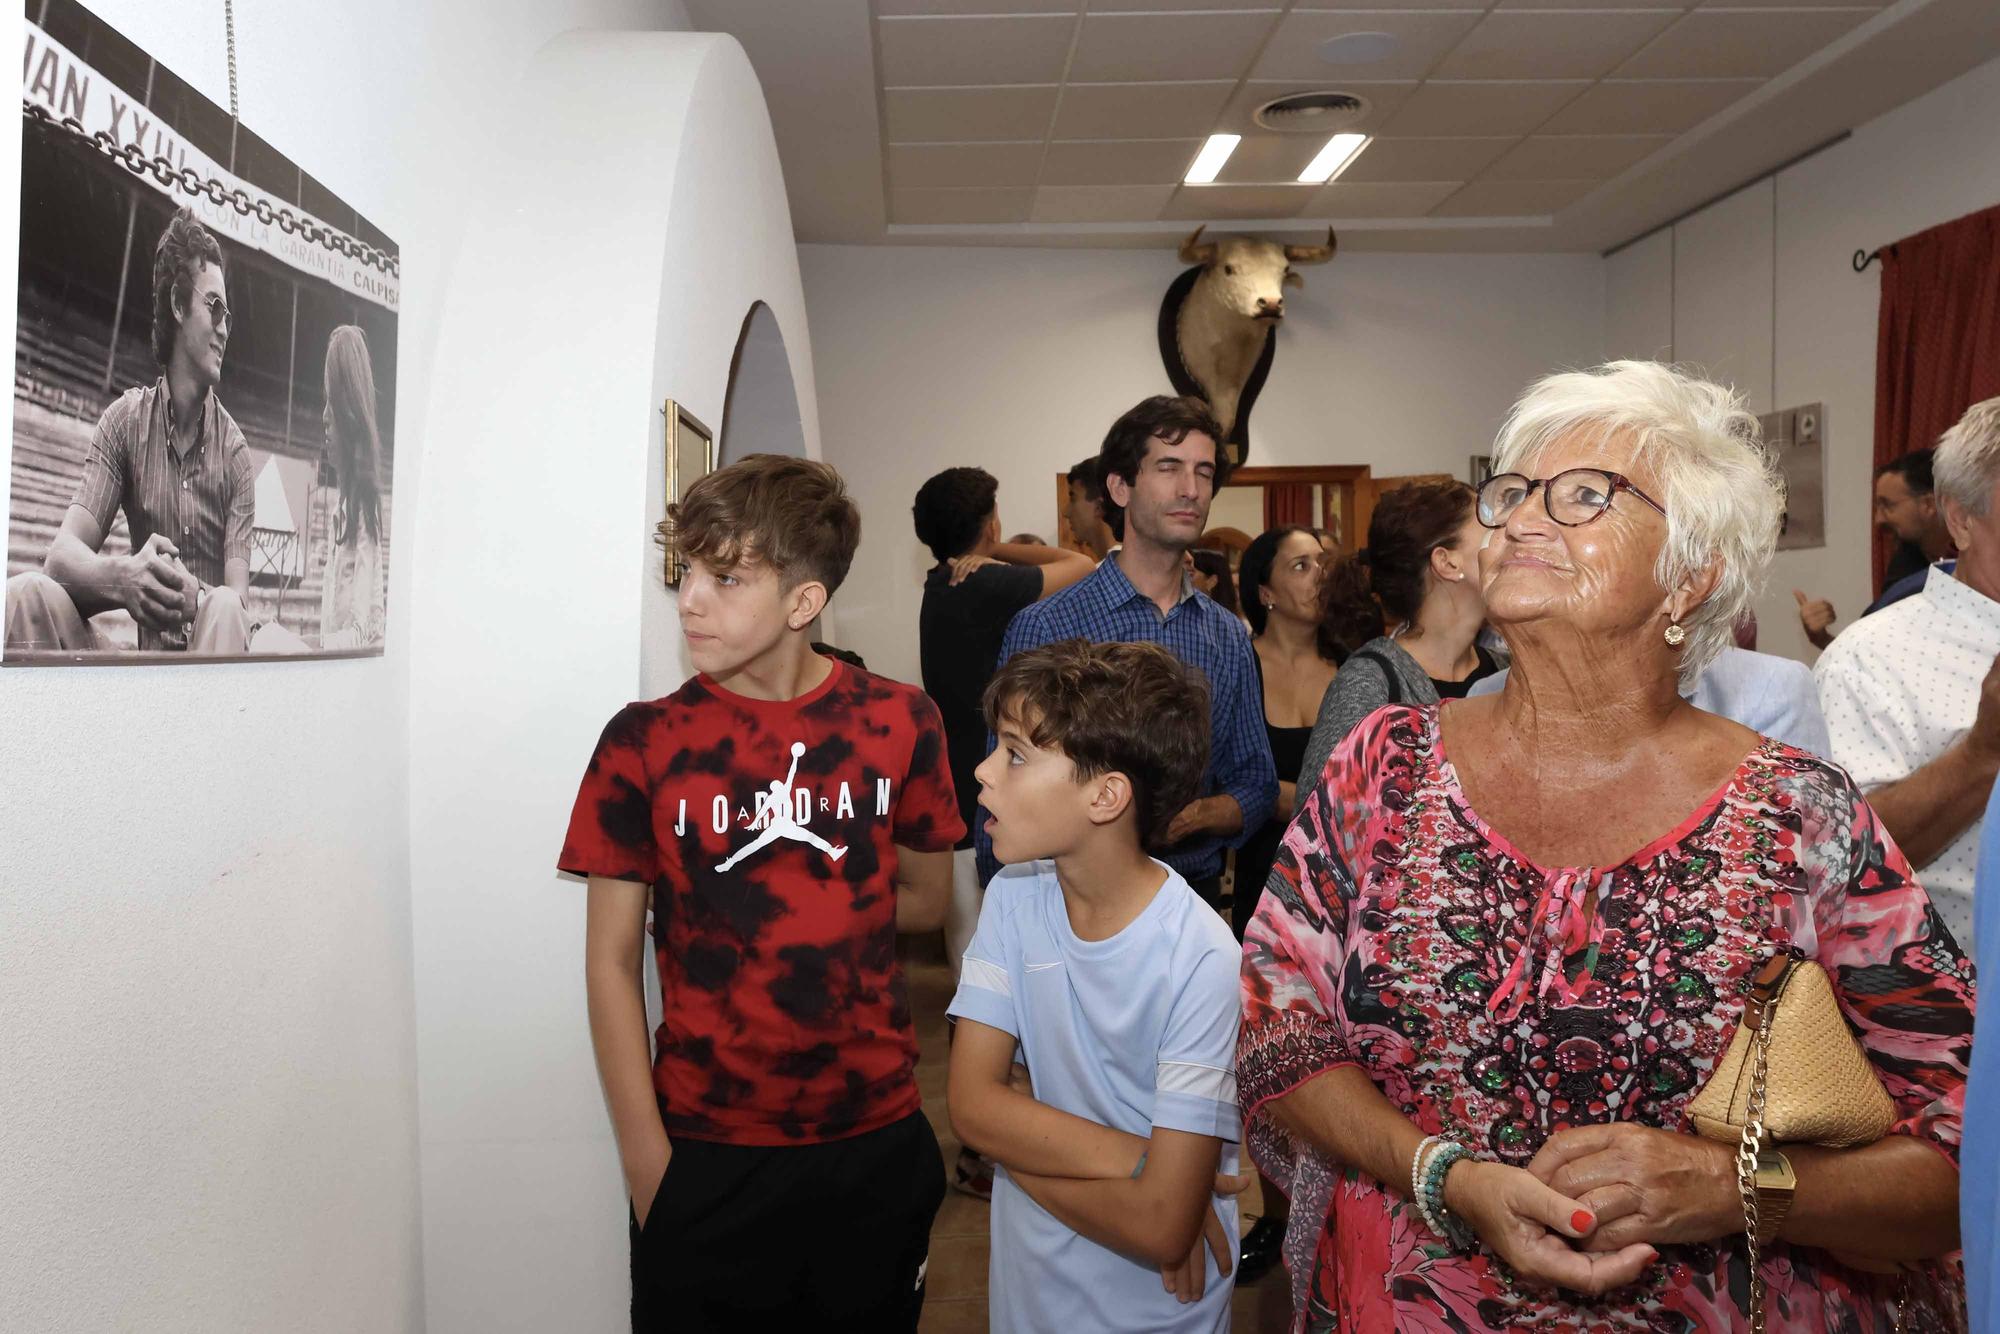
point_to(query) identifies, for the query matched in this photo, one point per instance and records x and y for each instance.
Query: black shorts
(814, 1236)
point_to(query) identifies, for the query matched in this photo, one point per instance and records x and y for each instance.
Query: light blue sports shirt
(1134, 1032)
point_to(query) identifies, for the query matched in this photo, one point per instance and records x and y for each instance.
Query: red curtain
(1937, 344)
(1288, 503)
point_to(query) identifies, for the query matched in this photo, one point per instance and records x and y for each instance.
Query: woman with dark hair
(1279, 577)
(1418, 578)
(1210, 571)
(352, 604)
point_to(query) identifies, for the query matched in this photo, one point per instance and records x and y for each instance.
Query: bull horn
(1194, 252)
(1304, 254)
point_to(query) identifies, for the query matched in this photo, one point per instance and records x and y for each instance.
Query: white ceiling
(1515, 125)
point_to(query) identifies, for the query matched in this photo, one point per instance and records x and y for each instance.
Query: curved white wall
(208, 1115)
(643, 216)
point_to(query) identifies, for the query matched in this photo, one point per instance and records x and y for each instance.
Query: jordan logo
(783, 822)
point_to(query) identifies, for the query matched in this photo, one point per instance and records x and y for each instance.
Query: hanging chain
(134, 159)
(1747, 1151)
(229, 28)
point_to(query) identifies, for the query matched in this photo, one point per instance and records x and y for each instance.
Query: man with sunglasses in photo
(173, 459)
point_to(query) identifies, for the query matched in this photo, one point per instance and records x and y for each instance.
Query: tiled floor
(956, 1302)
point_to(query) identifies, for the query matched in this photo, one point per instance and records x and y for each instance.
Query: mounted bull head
(1225, 321)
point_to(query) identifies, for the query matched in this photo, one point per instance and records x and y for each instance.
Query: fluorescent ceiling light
(1333, 159)
(1211, 157)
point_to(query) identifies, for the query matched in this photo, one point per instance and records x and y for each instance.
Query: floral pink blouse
(1401, 934)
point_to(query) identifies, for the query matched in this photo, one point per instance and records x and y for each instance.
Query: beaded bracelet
(1430, 1197)
(1417, 1161)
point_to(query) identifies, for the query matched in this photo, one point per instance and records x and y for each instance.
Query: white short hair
(1721, 489)
(1967, 462)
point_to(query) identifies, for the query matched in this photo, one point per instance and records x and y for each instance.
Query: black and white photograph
(204, 377)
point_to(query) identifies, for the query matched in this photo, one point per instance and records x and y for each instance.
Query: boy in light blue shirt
(1113, 1208)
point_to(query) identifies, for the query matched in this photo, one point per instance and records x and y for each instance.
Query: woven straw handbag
(1819, 1086)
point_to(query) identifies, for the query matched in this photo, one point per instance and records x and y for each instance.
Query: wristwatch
(1775, 1184)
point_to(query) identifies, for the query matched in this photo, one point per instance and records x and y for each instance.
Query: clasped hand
(1590, 1211)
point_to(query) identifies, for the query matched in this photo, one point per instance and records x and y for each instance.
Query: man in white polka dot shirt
(1912, 693)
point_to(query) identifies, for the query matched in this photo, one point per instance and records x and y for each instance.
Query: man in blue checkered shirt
(1161, 465)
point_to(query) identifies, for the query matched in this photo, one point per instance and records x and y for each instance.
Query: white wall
(655, 217)
(1018, 360)
(1759, 289)
(209, 1110)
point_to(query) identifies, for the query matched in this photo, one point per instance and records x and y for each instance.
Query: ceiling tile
(1156, 6)
(1168, 46)
(1119, 162)
(918, 165)
(1605, 4)
(1739, 43)
(1440, 108)
(1534, 44)
(1871, 5)
(904, 7)
(1140, 110)
(1424, 159)
(1377, 199)
(948, 115)
(1100, 203)
(943, 206)
(1667, 107)
(1382, 99)
(920, 52)
(1270, 159)
(1422, 36)
(1512, 199)
(1199, 203)
(1573, 157)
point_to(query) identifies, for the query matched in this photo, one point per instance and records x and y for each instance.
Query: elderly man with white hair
(1912, 693)
(1502, 948)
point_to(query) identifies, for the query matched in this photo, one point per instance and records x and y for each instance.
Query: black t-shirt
(1488, 665)
(959, 633)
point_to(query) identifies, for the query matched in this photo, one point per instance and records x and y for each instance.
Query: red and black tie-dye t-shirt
(785, 1019)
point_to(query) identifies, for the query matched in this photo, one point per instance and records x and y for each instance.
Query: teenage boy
(1160, 467)
(783, 814)
(970, 595)
(1120, 989)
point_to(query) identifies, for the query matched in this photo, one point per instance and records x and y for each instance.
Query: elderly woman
(1519, 922)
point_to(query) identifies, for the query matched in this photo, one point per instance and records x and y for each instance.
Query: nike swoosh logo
(1040, 967)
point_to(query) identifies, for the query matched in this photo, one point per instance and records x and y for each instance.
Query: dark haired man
(978, 584)
(173, 459)
(1085, 510)
(1905, 504)
(1160, 466)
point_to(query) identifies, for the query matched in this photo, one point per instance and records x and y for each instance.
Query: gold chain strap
(1747, 1151)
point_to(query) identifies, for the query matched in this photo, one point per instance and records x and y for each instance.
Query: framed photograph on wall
(690, 457)
(204, 378)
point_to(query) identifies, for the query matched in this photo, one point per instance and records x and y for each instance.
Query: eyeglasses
(218, 309)
(1573, 497)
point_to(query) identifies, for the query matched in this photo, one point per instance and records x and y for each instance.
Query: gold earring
(1675, 635)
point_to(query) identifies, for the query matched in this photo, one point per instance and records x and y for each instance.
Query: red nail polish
(1581, 1220)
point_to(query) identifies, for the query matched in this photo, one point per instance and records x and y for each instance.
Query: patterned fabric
(1106, 609)
(1899, 688)
(1488, 1001)
(202, 503)
(765, 828)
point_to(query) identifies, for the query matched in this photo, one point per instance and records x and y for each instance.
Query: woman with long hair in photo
(352, 597)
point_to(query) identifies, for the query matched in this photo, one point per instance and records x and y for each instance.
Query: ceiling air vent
(1311, 113)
